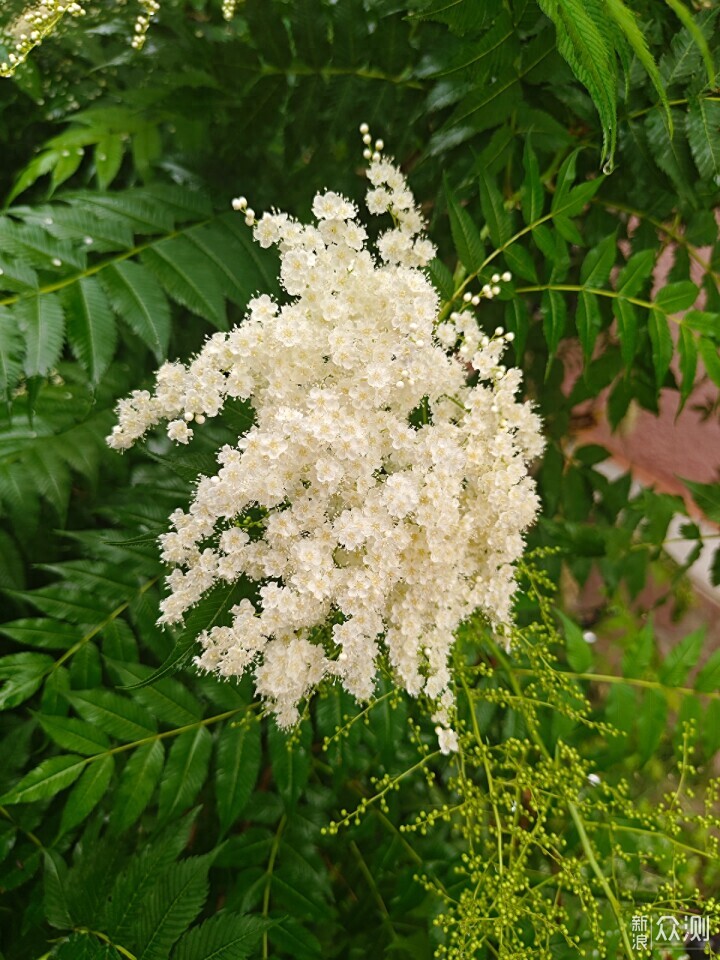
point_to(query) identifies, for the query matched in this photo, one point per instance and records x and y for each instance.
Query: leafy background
(572, 143)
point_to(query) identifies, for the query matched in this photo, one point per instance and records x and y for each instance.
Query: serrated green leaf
(42, 323)
(585, 47)
(554, 311)
(11, 352)
(191, 282)
(627, 324)
(625, 19)
(706, 496)
(170, 908)
(138, 299)
(223, 937)
(517, 321)
(651, 723)
(74, 735)
(465, 234)
(588, 321)
(291, 760)
(441, 278)
(688, 363)
(704, 322)
(238, 765)
(671, 154)
(531, 192)
(702, 125)
(108, 156)
(114, 714)
(137, 785)
(209, 612)
(635, 273)
(711, 359)
(41, 632)
(21, 674)
(90, 326)
(687, 20)
(167, 700)
(497, 218)
(185, 772)
(520, 262)
(661, 342)
(708, 679)
(47, 779)
(682, 658)
(675, 297)
(87, 792)
(598, 262)
(57, 909)
(577, 649)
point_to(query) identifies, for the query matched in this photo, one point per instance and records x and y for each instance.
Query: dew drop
(608, 167)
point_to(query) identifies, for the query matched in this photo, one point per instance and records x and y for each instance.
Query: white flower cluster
(393, 493)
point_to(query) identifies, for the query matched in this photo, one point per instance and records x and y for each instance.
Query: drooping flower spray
(394, 493)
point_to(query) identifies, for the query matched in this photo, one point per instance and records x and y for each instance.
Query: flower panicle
(388, 459)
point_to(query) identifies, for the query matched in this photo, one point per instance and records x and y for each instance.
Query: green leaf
(90, 326)
(517, 320)
(41, 632)
(57, 909)
(707, 497)
(588, 321)
(185, 772)
(651, 723)
(662, 345)
(108, 158)
(137, 785)
(74, 735)
(554, 312)
(291, 760)
(675, 297)
(167, 700)
(138, 299)
(598, 263)
(87, 792)
(635, 273)
(21, 674)
(209, 612)
(238, 765)
(192, 282)
(171, 907)
(578, 650)
(585, 47)
(682, 658)
(627, 324)
(708, 679)
(47, 779)
(223, 937)
(708, 324)
(531, 192)
(42, 322)
(688, 363)
(497, 219)
(684, 15)
(465, 234)
(702, 125)
(520, 262)
(67, 164)
(441, 278)
(625, 19)
(710, 358)
(710, 732)
(11, 352)
(116, 715)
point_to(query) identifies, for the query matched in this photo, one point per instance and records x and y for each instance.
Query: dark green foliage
(148, 811)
